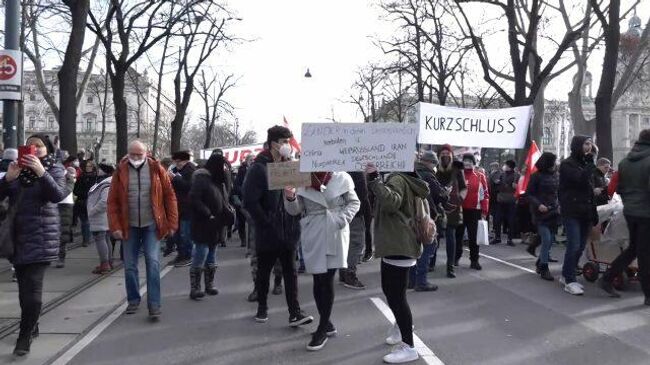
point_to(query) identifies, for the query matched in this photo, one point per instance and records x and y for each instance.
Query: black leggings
(394, 280)
(324, 297)
(30, 295)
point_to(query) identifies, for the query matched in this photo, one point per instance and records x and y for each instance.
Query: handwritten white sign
(351, 146)
(489, 128)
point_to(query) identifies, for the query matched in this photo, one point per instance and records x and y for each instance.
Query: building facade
(95, 111)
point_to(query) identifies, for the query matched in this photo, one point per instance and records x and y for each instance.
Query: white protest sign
(489, 128)
(11, 75)
(351, 146)
(283, 174)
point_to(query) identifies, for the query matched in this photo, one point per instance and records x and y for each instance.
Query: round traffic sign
(8, 67)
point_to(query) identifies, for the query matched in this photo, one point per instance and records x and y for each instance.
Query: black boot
(35, 331)
(544, 272)
(606, 284)
(450, 272)
(537, 268)
(209, 273)
(23, 345)
(277, 286)
(252, 297)
(195, 283)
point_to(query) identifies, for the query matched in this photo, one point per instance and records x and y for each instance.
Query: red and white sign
(235, 155)
(11, 75)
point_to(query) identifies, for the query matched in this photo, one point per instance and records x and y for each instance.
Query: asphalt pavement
(502, 315)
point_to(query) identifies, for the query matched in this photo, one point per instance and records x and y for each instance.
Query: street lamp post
(10, 108)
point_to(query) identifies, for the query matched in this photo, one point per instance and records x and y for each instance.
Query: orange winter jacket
(163, 199)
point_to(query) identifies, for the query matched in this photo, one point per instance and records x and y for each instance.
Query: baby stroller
(607, 241)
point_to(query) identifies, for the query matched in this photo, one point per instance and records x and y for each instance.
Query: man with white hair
(142, 209)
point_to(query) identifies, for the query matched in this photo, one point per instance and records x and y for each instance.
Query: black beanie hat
(470, 156)
(108, 169)
(511, 164)
(181, 155)
(46, 141)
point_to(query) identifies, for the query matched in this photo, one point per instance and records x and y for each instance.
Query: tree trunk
(68, 73)
(607, 82)
(158, 102)
(121, 113)
(181, 110)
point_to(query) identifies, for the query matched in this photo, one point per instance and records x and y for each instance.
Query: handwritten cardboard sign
(490, 128)
(351, 146)
(283, 174)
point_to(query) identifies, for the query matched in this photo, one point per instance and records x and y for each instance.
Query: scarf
(27, 177)
(319, 179)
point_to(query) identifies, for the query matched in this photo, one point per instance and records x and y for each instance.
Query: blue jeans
(183, 238)
(418, 273)
(449, 235)
(577, 232)
(142, 239)
(204, 256)
(547, 237)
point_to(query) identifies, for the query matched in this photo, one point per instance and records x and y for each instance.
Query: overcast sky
(333, 38)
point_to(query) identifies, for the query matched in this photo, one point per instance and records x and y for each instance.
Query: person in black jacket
(357, 233)
(226, 188)
(425, 168)
(504, 187)
(600, 181)
(542, 198)
(87, 179)
(181, 176)
(276, 232)
(35, 189)
(577, 207)
(237, 198)
(205, 202)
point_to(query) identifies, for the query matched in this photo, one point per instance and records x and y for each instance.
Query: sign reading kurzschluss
(351, 146)
(489, 128)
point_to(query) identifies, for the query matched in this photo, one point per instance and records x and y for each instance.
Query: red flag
(531, 159)
(293, 142)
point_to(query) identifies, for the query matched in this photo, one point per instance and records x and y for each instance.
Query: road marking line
(506, 262)
(425, 352)
(67, 356)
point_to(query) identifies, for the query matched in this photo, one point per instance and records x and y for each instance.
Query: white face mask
(136, 163)
(285, 150)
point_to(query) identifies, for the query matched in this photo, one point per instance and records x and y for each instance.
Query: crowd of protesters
(336, 223)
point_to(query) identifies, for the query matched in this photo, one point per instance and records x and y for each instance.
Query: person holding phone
(34, 184)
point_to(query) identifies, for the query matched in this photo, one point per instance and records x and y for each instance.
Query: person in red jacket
(475, 207)
(613, 185)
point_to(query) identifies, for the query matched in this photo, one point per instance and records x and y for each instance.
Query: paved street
(502, 315)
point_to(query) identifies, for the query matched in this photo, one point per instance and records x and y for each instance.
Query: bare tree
(36, 40)
(203, 32)
(127, 32)
(99, 88)
(366, 90)
(212, 91)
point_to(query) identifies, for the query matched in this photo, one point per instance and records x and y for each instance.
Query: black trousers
(265, 262)
(639, 248)
(30, 295)
(505, 216)
(394, 281)
(324, 297)
(241, 226)
(470, 223)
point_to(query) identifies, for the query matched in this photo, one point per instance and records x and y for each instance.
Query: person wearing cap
(577, 207)
(98, 218)
(452, 179)
(142, 209)
(35, 187)
(181, 176)
(9, 155)
(425, 167)
(505, 186)
(475, 208)
(87, 179)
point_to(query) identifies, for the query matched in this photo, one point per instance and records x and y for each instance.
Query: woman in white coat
(327, 208)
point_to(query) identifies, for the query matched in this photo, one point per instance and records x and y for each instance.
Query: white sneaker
(394, 336)
(581, 286)
(574, 289)
(401, 354)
